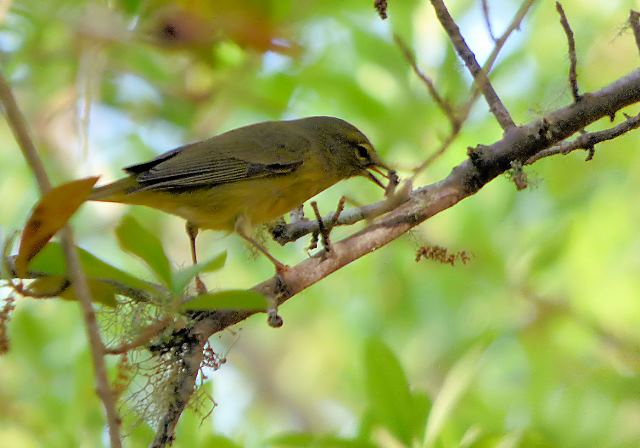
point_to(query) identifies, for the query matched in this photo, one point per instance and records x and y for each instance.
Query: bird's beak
(374, 179)
(377, 168)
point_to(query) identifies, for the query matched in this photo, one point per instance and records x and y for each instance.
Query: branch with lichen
(399, 212)
(484, 164)
(18, 125)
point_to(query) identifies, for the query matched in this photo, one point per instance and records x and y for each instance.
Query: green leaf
(233, 299)
(367, 424)
(310, 440)
(131, 7)
(182, 277)
(292, 440)
(139, 241)
(388, 391)
(421, 404)
(51, 261)
(455, 385)
(218, 441)
(101, 292)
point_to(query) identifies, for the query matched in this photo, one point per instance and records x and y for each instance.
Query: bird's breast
(257, 200)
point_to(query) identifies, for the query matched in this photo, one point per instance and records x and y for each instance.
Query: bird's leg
(192, 231)
(242, 228)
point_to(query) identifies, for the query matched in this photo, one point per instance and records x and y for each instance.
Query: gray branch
(484, 164)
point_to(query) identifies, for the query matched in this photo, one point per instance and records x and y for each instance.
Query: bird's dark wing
(140, 168)
(231, 157)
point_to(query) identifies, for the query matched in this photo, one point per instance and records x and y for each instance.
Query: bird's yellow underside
(254, 201)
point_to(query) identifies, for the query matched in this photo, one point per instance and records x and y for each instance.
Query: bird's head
(349, 150)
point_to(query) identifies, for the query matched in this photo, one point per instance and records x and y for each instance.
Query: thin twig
(464, 111)
(444, 104)
(20, 131)
(339, 210)
(480, 77)
(493, 56)
(437, 153)
(145, 336)
(634, 22)
(487, 18)
(313, 244)
(322, 229)
(19, 127)
(291, 232)
(514, 25)
(573, 60)
(389, 190)
(588, 140)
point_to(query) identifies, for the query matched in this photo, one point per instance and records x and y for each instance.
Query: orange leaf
(50, 215)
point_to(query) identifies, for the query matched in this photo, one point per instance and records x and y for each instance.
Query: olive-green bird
(248, 176)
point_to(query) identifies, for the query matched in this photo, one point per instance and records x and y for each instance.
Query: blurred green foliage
(535, 343)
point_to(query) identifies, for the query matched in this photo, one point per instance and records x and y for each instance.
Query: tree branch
(444, 105)
(183, 387)
(588, 140)
(481, 78)
(487, 19)
(497, 48)
(286, 233)
(634, 22)
(475, 91)
(485, 163)
(145, 335)
(18, 125)
(573, 60)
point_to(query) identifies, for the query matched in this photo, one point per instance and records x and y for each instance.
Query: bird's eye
(362, 152)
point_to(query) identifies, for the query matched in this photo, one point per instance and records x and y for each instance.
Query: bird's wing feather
(234, 156)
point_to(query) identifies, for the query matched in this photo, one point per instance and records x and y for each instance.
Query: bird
(248, 176)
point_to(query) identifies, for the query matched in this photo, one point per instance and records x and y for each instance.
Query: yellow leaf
(48, 216)
(49, 286)
(59, 286)
(101, 292)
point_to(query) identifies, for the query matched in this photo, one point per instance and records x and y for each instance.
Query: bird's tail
(114, 192)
